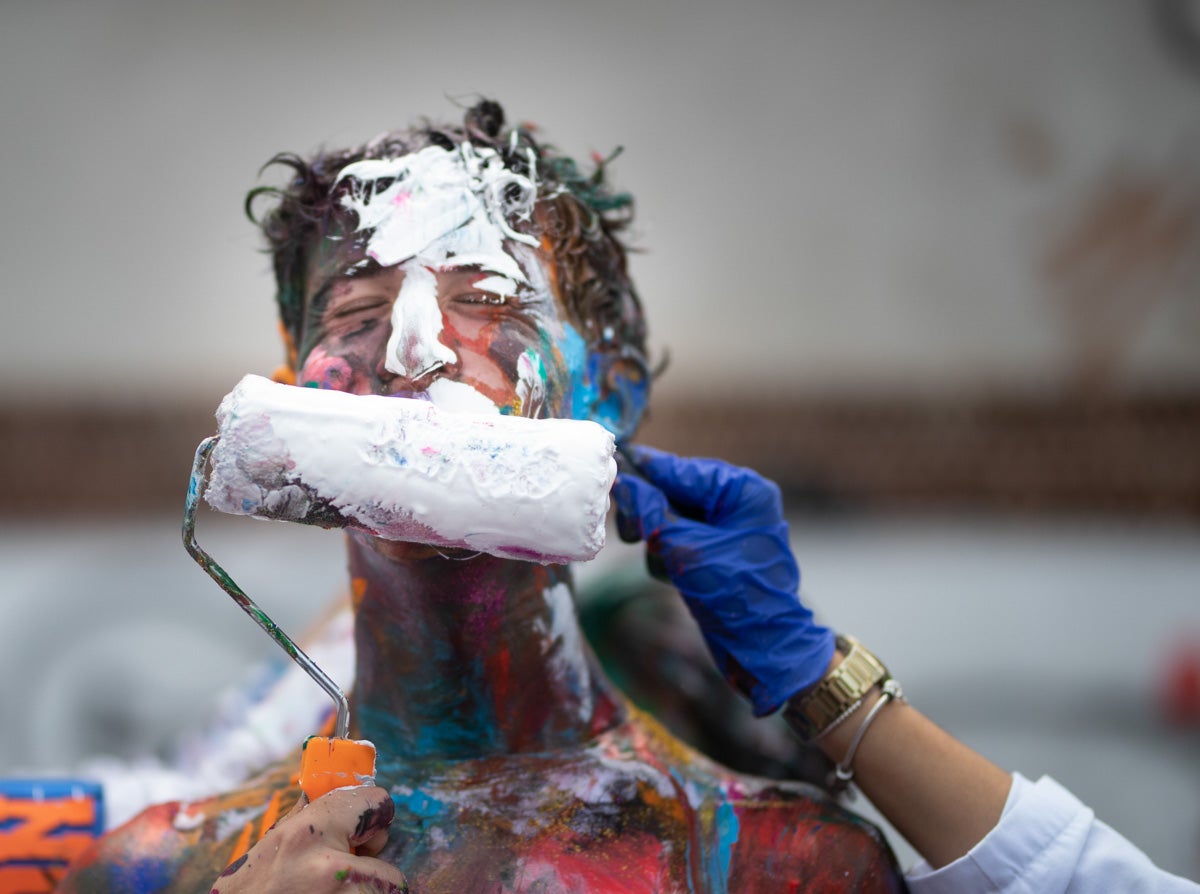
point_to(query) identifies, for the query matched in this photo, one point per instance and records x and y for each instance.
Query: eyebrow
(481, 271)
(365, 268)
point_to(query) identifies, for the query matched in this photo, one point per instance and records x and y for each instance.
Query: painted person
(474, 267)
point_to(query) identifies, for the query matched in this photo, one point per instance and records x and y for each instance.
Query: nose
(414, 349)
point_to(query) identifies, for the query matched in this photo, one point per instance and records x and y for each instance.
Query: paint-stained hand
(717, 532)
(328, 845)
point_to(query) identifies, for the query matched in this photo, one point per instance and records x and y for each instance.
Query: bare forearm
(942, 796)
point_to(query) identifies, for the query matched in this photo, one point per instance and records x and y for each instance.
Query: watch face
(839, 693)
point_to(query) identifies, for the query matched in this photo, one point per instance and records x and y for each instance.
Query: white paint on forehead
(500, 285)
(441, 206)
(437, 209)
(415, 348)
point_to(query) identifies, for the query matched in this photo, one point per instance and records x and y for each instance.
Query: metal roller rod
(196, 483)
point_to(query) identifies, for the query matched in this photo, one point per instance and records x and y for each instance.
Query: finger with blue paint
(717, 533)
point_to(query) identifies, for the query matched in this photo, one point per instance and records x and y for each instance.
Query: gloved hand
(717, 532)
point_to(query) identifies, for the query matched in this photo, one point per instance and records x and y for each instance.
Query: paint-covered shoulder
(181, 846)
(796, 833)
(144, 855)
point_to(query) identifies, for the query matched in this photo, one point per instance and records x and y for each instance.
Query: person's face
(443, 333)
(448, 307)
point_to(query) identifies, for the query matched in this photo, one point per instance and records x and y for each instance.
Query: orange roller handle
(327, 763)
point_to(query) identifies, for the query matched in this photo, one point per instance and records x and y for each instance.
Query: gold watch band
(838, 693)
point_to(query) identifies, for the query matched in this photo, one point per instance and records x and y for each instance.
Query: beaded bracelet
(843, 773)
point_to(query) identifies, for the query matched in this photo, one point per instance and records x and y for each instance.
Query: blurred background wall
(932, 259)
(864, 226)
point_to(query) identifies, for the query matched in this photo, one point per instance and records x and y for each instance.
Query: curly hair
(578, 217)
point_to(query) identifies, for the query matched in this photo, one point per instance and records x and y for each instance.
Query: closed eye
(521, 296)
(352, 315)
(350, 307)
(488, 298)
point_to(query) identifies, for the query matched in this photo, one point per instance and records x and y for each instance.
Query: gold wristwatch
(838, 694)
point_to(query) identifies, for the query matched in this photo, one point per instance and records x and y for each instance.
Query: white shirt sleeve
(1047, 842)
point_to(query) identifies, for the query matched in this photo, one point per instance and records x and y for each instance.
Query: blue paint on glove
(717, 532)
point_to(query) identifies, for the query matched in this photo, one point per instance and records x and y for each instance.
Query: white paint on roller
(458, 397)
(403, 470)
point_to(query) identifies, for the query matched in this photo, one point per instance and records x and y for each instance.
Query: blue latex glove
(718, 534)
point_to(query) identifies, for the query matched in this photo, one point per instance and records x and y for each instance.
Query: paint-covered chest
(601, 824)
(583, 825)
(572, 827)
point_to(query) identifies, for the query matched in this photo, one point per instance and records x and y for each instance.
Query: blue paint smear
(46, 865)
(143, 877)
(575, 357)
(462, 725)
(419, 804)
(727, 835)
(716, 855)
(607, 411)
(691, 881)
(458, 733)
(585, 398)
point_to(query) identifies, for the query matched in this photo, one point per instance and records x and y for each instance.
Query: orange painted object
(44, 825)
(328, 763)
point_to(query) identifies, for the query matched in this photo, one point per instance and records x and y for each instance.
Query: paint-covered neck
(470, 657)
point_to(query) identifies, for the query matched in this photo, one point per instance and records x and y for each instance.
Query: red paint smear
(326, 372)
(631, 863)
(604, 716)
(502, 676)
(479, 345)
(815, 846)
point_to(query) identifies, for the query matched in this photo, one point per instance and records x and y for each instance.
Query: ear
(286, 374)
(620, 387)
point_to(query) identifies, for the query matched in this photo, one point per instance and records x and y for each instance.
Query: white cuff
(1047, 842)
(1038, 837)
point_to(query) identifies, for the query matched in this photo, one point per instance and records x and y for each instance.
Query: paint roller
(399, 469)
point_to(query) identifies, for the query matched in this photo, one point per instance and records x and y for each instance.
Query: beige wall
(833, 197)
